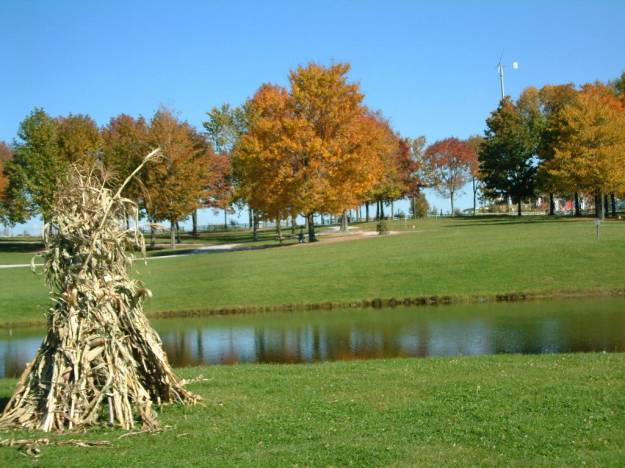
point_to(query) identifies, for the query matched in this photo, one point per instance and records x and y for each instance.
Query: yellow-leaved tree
(590, 151)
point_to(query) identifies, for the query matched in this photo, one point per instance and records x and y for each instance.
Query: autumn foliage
(449, 163)
(589, 154)
(5, 155)
(178, 183)
(314, 148)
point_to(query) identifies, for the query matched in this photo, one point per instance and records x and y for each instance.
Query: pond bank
(378, 303)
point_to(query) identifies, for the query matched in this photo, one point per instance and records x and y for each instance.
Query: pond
(529, 328)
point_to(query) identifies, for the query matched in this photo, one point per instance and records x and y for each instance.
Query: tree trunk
(474, 196)
(292, 224)
(152, 236)
(599, 212)
(344, 221)
(451, 198)
(226, 218)
(177, 232)
(518, 207)
(194, 221)
(367, 211)
(255, 226)
(392, 209)
(578, 211)
(613, 203)
(172, 234)
(377, 210)
(552, 205)
(311, 228)
(606, 206)
(381, 209)
(279, 230)
(250, 213)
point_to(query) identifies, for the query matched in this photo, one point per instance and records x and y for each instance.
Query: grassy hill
(456, 257)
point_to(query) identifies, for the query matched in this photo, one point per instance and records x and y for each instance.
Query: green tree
(35, 166)
(475, 142)
(224, 127)
(508, 156)
(619, 85)
(419, 207)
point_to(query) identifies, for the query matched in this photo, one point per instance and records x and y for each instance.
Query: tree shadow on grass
(20, 247)
(470, 221)
(4, 401)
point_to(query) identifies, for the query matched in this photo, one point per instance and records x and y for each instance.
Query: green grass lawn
(466, 256)
(18, 252)
(555, 410)
(21, 250)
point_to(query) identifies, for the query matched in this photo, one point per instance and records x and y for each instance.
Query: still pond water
(529, 328)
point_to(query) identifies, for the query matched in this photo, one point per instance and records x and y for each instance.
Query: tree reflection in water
(529, 328)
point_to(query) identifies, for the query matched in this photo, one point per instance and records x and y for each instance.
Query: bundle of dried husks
(101, 361)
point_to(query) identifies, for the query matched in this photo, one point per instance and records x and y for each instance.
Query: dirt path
(329, 237)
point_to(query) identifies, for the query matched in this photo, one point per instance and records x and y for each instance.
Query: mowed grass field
(457, 257)
(548, 410)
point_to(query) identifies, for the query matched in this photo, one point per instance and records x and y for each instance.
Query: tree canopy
(449, 164)
(508, 155)
(590, 151)
(313, 148)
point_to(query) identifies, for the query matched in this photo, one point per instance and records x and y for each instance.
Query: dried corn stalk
(100, 361)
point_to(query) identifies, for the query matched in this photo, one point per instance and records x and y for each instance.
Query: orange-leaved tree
(553, 99)
(265, 156)
(312, 149)
(79, 139)
(125, 144)
(176, 184)
(220, 191)
(398, 177)
(346, 160)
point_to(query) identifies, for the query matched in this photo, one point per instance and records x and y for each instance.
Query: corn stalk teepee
(101, 361)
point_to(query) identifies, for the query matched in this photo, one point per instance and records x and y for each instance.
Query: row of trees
(311, 148)
(190, 175)
(557, 140)
(315, 148)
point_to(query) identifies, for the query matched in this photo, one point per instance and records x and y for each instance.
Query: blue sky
(428, 66)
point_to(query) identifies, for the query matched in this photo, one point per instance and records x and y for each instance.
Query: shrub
(382, 228)
(420, 207)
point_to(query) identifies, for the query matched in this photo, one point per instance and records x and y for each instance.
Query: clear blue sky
(429, 66)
